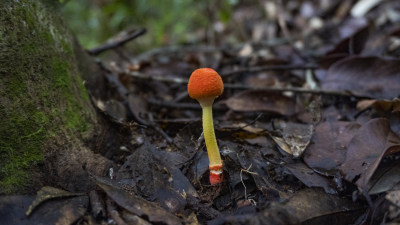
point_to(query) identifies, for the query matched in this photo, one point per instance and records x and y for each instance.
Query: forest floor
(308, 125)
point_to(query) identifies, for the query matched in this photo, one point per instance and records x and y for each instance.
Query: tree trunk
(46, 116)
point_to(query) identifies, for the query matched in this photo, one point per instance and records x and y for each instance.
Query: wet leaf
(329, 145)
(248, 101)
(394, 198)
(48, 193)
(308, 206)
(56, 211)
(313, 206)
(385, 178)
(116, 110)
(373, 140)
(310, 178)
(294, 138)
(156, 174)
(259, 168)
(138, 206)
(364, 76)
(353, 44)
(390, 106)
(348, 46)
(133, 219)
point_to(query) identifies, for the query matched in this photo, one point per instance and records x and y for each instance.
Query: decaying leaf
(394, 198)
(364, 76)
(310, 178)
(157, 174)
(248, 101)
(308, 206)
(313, 205)
(329, 145)
(294, 138)
(385, 178)
(133, 219)
(57, 211)
(390, 106)
(137, 205)
(48, 193)
(373, 140)
(259, 167)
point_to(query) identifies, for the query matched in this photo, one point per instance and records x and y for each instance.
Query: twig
(179, 120)
(245, 188)
(119, 42)
(290, 89)
(251, 123)
(175, 105)
(165, 79)
(266, 68)
(207, 48)
(246, 87)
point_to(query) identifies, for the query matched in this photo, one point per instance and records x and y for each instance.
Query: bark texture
(46, 116)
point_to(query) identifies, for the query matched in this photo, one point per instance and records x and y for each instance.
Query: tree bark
(46, 116)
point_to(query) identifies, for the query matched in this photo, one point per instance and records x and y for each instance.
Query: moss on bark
(42, 97)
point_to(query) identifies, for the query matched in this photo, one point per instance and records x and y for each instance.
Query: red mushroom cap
(205, 83)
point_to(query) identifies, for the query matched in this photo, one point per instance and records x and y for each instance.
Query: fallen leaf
(390, 106)
(48, 193)
(366, 149)
(57, 211)
(394, 198)
(364, 76)
(294, 138)
(137, 205)
(308, 206)
(156, 173)
(385, 178)
(329, 145)
(310, 178)
(248, 101)
(353, 44)
(313, 206)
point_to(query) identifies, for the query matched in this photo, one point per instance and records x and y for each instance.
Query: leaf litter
(346, 145)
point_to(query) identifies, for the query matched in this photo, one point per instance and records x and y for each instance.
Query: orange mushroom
(205, 85)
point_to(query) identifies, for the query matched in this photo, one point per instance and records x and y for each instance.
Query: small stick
(175, 105)
(245, 188)
(246, 87)
(119, 42)
(207, 48)
(266, 68)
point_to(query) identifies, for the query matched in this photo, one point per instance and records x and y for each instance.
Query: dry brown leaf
(366, 149)
(329, 145)
(248, 101)
(364, 76)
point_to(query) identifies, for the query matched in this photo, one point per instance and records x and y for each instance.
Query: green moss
(41, 93)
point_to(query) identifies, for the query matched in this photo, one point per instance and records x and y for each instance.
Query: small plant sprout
(205, 85)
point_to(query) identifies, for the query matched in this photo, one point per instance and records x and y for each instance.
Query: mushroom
(205, 85)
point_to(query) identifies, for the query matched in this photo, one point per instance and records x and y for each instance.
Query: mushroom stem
(209, 137)
(214, 156)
